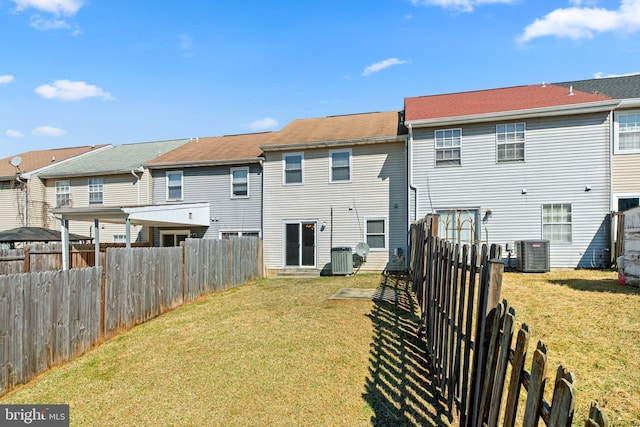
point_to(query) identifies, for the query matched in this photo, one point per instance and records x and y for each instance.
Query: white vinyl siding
(448, 144)
(378, 189)
(96, 191)
(174, 185)
(564, 155)
(340, 165)
(556, 223)
(63, 194)
(239, 182)
(510, 142)
(293, 168)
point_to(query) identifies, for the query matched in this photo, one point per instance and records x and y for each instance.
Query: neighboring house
(334, 182)
(518, 163)
(226, 172)
(625, 147)
(21, 186)
(88, 187)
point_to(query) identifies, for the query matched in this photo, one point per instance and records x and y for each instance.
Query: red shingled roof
(494, 101)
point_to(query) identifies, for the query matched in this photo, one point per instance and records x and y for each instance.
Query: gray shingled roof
(623, 87)
(119, 159)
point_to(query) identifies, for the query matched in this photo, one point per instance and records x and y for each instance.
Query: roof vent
(53, 158)
(570, 90)
(544, 84)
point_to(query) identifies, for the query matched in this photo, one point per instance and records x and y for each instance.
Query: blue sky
(82, 72)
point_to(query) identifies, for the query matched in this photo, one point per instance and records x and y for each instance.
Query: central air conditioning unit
(341, 261)
(532, 256)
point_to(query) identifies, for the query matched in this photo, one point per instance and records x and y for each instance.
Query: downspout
(133, 172)
(25, 189)
(613, 222)
(412, 187)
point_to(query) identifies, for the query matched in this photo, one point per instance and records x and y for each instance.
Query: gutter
(194, 164)
(562, 110)
(333, 143)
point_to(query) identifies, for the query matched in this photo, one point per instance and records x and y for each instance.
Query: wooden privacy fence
(48, 256)
(48, 318)
(468, 334)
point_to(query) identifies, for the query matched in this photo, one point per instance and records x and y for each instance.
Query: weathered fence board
(46, 318)
(141, 283)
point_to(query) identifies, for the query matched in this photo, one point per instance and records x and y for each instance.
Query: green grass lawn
(275, 352)
(278, 352)
(591, 325)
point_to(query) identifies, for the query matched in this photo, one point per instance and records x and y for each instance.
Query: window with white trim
(174, 185)
(448, 147)
(63, 194)
(292, 168)
(510, 142)
(119, 238)
(459, 226)
(375, 230)
(96, 191)
(556, 222)
(340, 165)
(239, 183)
(226, 235)
(627, 138)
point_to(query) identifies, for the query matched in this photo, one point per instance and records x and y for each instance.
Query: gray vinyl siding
(378, 189)
(563, 155)
(213, 184)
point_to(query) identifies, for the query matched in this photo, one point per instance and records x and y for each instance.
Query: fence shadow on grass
(602, 285)
(400, 389)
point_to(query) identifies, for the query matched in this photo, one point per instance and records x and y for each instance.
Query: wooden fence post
(536, 386)
(597, 417)
(563, 403)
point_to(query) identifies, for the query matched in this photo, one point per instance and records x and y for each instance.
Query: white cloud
(7, 79)
(459, 5)
(57, 7)
(66, 90)
(583, 22)
(378, 66)
(262, 124)
(601, 75)
(48, 131)
(43, 24)
(11, 133)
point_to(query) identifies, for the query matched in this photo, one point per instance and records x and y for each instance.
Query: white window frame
(238, 233)
(60, 186)
(513, 141)
(616, 132)
(555, 223)
(96, 187)
(167, 173)
(119, 238)
(331, 166)
(174, 233)
(454, 235)
(436, 139)
(231, 178)
(284, 168)
(386, 232)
